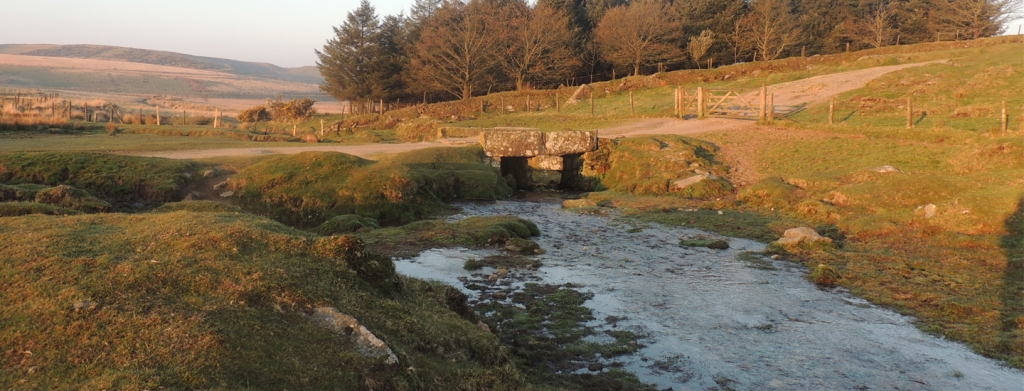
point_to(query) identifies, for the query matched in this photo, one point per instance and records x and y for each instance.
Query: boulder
(799, 235)
(927, 210)
(570, 142)
(551, 163)
(521, 143)
(365, 342)
(543, 179)
(580, 203)
(887, 169)
(310, 138)
(684, 183)
(582, 92)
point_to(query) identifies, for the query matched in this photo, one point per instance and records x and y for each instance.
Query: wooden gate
(721, 103)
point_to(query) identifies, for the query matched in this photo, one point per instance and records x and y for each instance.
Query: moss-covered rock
(346, 224)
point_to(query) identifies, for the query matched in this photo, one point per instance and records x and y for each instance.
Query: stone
(580, 203)
(550, 163)
(366, 344)
(684, 183)
(483, 326)
(220, 185)
(83, 305)
(570, 142)
(310, 138)
(927, 210)
(518, 143)
(595, 367)
(500, 295)
(582, 92)
(227, 194)
(887, 169)
(209, 173)
(518, 245)
(544, 179)
(801, 235)
(187, 175)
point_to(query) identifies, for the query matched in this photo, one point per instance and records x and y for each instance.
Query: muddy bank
(718, 319)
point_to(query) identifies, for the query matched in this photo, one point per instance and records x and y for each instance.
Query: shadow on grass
(848, 116)
(1012, 296)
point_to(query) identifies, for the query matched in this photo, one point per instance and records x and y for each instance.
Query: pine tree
(364, 58)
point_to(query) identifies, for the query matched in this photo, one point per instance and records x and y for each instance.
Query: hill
(157, 57)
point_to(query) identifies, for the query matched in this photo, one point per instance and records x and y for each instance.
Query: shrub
(293, 110)
(253, 115)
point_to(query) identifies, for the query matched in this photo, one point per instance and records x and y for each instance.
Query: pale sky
(282, 32)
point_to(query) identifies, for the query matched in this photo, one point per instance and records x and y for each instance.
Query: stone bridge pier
(536, 160)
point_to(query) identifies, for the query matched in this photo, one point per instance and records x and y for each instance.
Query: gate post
(764, 103)
(700, 103)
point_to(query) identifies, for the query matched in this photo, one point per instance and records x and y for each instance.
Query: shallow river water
(710, 320)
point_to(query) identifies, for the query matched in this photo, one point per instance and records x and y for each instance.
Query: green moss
(117, 179)
(702, 241)
(197, 206)
(648, 165)
(69, 197)
(310, 188)
(477, 231)
(218, 300)
(346, 224)
(8, 209)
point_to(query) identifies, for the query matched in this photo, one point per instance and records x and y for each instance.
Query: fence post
(910, 113)
(675, 102)
(69, 110)
(700, 103)
(293, 130)
(321, 128)
(53, 108)
(1002, 117)
(832, 111)
(591, 101)
(111, 118)
(631, 111)
(183, 116)
(87, 112)
(158, 116)
(424, 98)
(771, 106)
(527, 103)
(558, 105)
(502, 105)
(764, 103)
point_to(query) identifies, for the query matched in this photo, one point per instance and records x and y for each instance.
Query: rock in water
(365, 342)
(801, 235)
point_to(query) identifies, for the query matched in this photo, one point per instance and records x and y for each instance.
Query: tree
(456, 49)
(771, 27)
(718, 16)
(699, 45)
(978, 18)
(876, 26)
(361, 61)
(643, 32)
(536, 44)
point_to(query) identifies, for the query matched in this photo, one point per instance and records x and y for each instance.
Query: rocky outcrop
(794, 236)
(365, 342)
(582, 92)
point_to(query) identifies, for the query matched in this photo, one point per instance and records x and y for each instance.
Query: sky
(282, 32)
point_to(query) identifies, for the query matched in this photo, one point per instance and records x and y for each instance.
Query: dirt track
(811, 91)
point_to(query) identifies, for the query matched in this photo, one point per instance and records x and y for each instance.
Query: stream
(711, 321)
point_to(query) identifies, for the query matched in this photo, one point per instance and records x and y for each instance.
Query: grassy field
(209, 295)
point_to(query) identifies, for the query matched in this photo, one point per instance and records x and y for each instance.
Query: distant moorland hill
(307, 74)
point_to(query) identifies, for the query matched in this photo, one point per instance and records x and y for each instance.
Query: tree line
(463, 48)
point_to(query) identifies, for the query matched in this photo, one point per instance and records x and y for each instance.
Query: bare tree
(641, 33)
(536, 44)
(699, 45)
(978, 18)
(771, 27)
(739, 42)
(877, 26)
(456, 48)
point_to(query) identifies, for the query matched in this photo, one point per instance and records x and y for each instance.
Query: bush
(253, 115)
(293, 110)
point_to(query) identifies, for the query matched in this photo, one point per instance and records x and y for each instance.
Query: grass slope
(220, 300)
